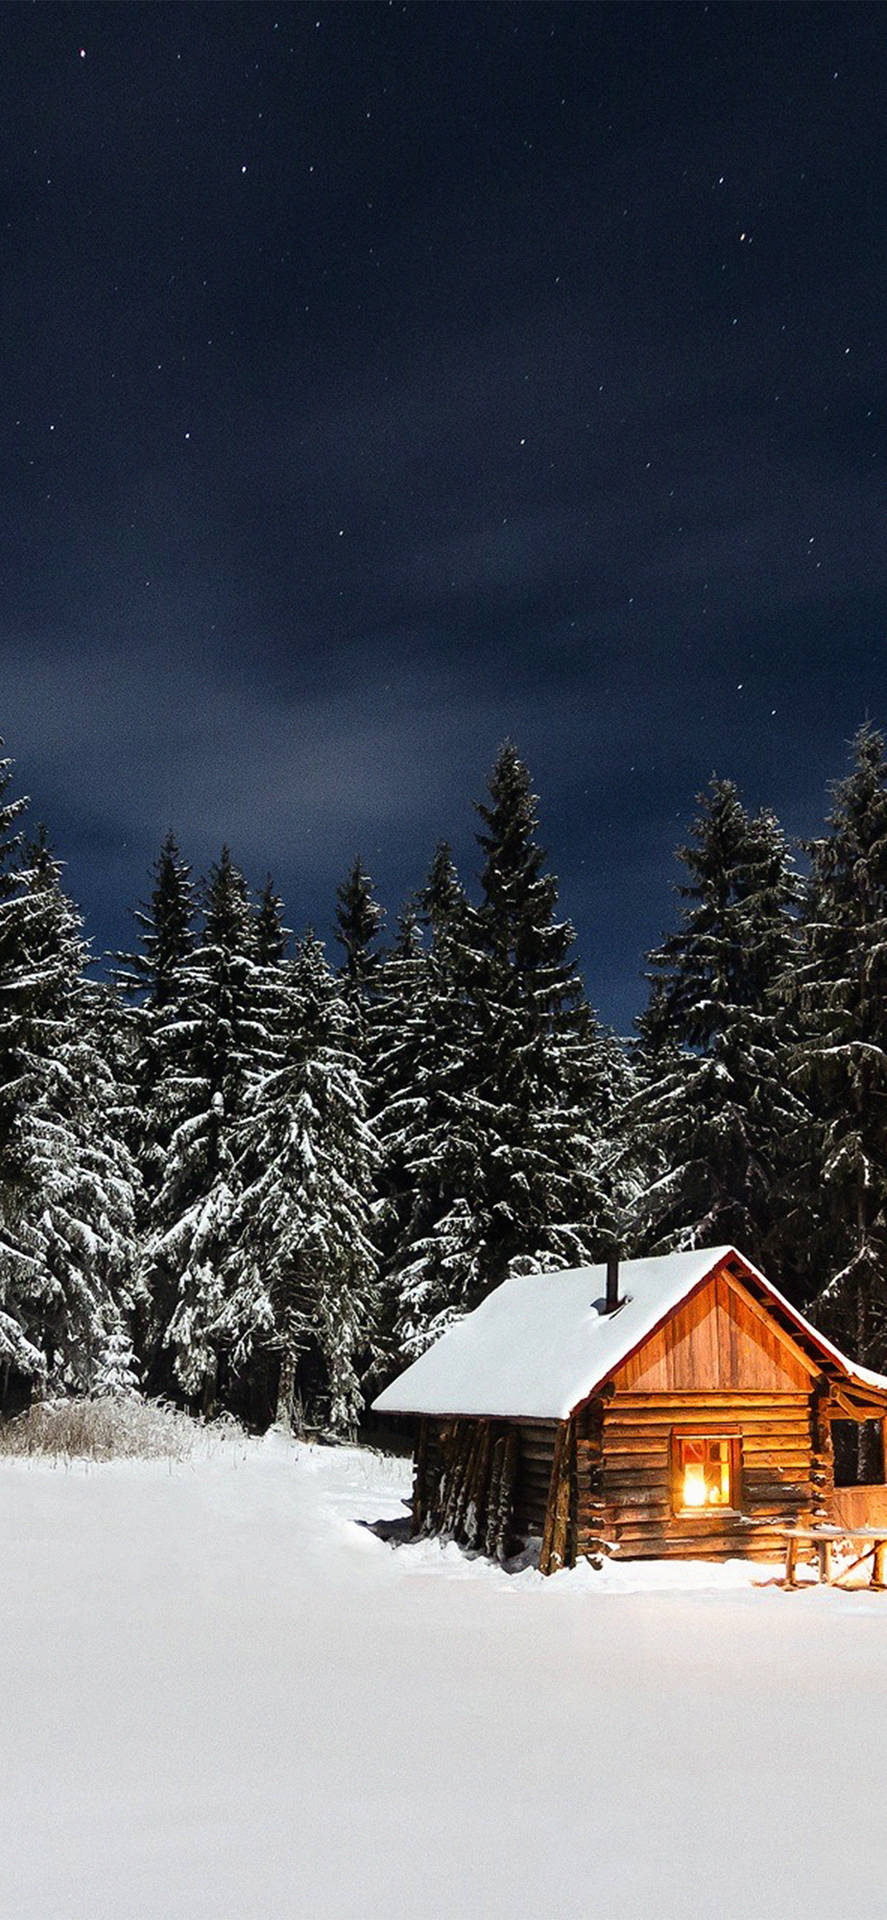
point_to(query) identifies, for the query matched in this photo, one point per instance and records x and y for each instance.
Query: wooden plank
(775, 1474)
(667, 1546)
(773, 1460)
(612, 1484)
(624, 1486)
(628, 1398)
(693, 1348)
(670, 1541)
(858, 1506)
(693, 1357)
(635, 1424)
(633, 1466)
(560, 1526)
(573, 1510)
(551, 1504)
(769, 1326)
(653, 1510)
(776, 1489)
(757, 1417)
(720, 1338)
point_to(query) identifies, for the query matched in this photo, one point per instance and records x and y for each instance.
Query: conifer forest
(246, 1176)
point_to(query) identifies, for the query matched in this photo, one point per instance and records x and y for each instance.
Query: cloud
(126, 744)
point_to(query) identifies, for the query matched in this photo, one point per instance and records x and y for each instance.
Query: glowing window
(704, 1477)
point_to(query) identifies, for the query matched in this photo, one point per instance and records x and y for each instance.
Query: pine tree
(303, 1264)
(543, 1067)
(209, 1039)
(19, 989)
(148, 980)
(22, 986)
(69, 1242)
(359, 918)
(165, 923)
(397, 1055)
(271, 934)
(715, 1127)
(427, 1122)
(117, 1370)
(512, 1082)
(842, 1060)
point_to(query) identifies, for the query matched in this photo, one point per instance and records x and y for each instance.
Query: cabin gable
(719, 1340)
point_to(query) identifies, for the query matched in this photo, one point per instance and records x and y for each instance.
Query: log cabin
(675, 1406)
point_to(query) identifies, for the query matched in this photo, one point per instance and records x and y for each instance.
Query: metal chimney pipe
(612, 1300)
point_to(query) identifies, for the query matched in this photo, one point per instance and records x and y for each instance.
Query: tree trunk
(283, 1417)
(420, 1474)
(208, 1400)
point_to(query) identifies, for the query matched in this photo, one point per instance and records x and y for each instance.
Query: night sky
(381, 381)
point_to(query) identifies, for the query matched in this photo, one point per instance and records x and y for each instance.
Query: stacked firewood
(467, 1494)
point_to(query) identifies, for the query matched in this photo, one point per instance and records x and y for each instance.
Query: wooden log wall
(556, 1546)
(823, 1464)
(604, 1481)
(625, 1491)
(574, 1491)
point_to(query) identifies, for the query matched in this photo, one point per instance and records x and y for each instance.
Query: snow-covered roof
(541, 1342)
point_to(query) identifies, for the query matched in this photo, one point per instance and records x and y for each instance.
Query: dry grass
(119, 1427)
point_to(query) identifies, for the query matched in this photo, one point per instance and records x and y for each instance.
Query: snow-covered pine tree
(117, 1369)
(359, 918)
(272, 937)
(21, 988)
(715, 1131)
(147, 980)
(427, 1121)
(513, 1082)
(545, 1076)
(209, 1037)
(396, 1047)
(303, 1264)
(166, 929)
(69, 1243)
(842, 1060)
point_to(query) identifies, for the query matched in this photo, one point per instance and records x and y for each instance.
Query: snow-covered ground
(223, 1696)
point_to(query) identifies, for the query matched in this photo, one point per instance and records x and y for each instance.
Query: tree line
(242, 1176)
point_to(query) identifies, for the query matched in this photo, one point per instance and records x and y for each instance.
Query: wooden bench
(823, 1539)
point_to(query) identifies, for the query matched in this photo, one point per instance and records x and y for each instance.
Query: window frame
(723, 1430)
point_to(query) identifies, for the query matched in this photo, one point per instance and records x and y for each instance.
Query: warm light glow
(694, 1486)
(705, 1472)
